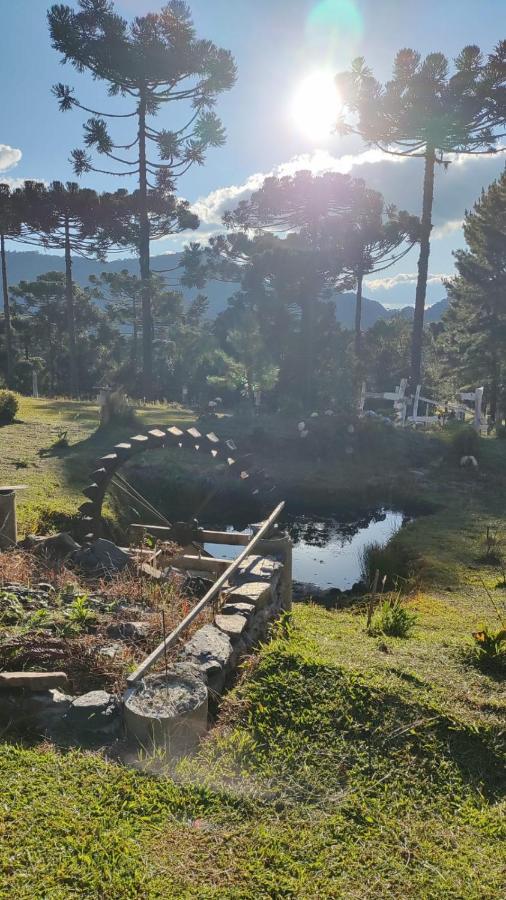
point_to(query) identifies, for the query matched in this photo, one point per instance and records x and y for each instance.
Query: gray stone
(258, 593)
(56, 547)
(259, 567)
(111, 650)
(242, 609)
(94, 711)
(33, 681)
(101, 557)
(231, 625)
(210, 649)
(134, 631)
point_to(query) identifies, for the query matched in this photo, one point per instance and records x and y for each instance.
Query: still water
(326, 552)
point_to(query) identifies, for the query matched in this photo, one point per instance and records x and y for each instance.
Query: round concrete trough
(166, 714)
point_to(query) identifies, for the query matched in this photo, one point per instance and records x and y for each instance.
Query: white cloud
(448, 228)
(456, 188)
(211, 208)
(9, 157)
(392, 281)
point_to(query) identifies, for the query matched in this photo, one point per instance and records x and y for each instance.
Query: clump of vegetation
(492, 554)
(9, 405)
(489, 651)
(464, 442)
(393, 619)
(396, 564)
(117, 410)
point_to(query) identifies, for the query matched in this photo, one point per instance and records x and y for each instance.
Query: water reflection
(327, 552)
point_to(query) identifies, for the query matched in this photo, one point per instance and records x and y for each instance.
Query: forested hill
(27, 265)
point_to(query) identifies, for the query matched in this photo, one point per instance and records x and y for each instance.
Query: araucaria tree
(428, 113)
(475, 327)
(74, 220)
(154, 61)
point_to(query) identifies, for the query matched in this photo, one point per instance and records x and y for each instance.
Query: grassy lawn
(343, 765)
(55, 477)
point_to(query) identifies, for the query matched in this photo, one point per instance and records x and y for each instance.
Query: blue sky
(276, 43)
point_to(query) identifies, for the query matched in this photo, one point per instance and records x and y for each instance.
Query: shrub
(9, 405)
(464, 442)
(489, 651)
(395, 563)
(500, 431)
(117, 410)
(393, 619)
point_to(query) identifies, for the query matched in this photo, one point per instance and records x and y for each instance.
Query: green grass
(56, 477)
(343, 765)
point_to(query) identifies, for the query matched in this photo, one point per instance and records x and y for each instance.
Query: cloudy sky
(277, 44)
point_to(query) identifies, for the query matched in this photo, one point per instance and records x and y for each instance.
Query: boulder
(101, 557)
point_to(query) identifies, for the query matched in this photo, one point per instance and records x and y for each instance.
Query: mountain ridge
(27, 265)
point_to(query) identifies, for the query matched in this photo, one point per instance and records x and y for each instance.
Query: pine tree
(426, 113)
(475, 327)
(74, 220)
(14, 214)
(154, 61)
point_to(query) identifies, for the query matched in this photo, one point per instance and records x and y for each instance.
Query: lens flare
(335, 26)
(315, 105)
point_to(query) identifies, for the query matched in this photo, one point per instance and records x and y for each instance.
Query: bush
(117, 410)
(464, 442)
(393, 619)
(500, 431)
(9, 405)
(489, 651)
(395, 563)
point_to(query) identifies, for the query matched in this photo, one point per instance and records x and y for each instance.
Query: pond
(327, 552)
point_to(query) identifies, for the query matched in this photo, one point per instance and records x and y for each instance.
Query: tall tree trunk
(358, 314)
(423, 265)
(71, 322)
(494, 365)
(7, 314)
(135, 336)
(147, 317)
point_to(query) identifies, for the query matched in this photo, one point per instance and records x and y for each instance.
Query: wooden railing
(171, 639)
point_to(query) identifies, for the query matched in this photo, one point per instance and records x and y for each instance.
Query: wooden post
(8, 526)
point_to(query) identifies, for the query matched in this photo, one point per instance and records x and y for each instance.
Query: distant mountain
(27, 265)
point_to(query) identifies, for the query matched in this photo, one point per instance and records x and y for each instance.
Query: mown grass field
(343, 765)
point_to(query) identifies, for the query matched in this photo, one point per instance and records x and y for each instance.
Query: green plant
(393, 619)
(79, 612)
(500, 431)
(9, 405)
(464, 442)
(11, 610)
(396, 565)
(489, 649)
(116, 410)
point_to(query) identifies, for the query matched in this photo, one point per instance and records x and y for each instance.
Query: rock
(469, 462)
(256, 592)
(210, 649)
(95, 711)
(133, 631)
(232, 625)
(239, 608)
(56, 547)
(101, 557)
(33, 681)
(259, 567)
(110, 651)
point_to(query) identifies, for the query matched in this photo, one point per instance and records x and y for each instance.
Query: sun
(315, 105)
